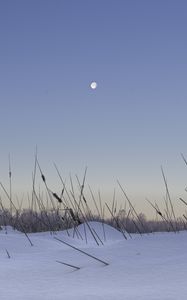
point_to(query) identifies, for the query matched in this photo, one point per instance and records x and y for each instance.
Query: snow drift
(150, 267)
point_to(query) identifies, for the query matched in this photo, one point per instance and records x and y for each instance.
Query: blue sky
(134, 121)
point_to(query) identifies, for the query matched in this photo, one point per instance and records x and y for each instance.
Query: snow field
(150, 267)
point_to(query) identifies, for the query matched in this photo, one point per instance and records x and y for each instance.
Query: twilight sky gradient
(136, 119)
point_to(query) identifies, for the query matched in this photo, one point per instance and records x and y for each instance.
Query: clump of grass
(53, 211)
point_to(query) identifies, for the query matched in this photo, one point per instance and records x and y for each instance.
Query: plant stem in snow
(60, 262)
(7, 253)
(75, 248)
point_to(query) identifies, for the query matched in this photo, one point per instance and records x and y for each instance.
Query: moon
(93, 85)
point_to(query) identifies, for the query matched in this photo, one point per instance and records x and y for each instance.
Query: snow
(148, 267)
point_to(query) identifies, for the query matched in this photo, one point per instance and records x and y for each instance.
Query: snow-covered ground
(147, 267)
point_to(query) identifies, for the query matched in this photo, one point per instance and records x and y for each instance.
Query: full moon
(93, 85)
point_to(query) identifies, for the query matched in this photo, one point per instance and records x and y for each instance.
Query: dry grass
(53, 212)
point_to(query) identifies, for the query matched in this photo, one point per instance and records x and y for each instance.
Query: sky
(131, 124)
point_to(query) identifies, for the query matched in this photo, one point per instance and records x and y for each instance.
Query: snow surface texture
(147, 267)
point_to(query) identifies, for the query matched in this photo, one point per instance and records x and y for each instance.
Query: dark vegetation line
(72, 206)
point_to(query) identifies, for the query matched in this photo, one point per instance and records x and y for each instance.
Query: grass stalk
(81, 251)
